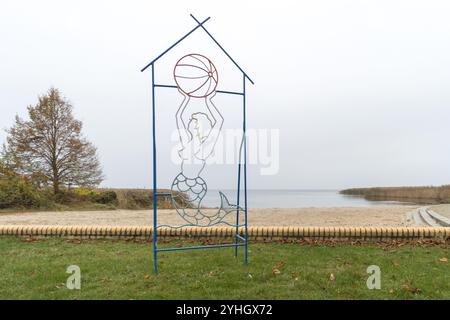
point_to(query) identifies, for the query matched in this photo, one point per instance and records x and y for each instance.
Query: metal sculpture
(198, 137)
(196, 77)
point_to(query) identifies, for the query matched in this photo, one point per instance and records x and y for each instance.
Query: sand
(389, 216)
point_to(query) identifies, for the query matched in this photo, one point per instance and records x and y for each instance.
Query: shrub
(137, 199)
(143, 199)
(105, 197)
(17, 192)
(83, 194)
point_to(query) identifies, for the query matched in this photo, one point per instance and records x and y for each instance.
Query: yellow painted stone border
(255, 233)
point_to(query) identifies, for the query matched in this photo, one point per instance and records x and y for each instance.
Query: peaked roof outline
(199, 25)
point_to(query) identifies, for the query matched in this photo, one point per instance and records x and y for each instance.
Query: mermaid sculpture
(198, 135)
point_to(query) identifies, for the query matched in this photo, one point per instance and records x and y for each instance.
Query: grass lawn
(123, 270)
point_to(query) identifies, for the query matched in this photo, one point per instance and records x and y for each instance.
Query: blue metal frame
(240, 241)
(155, 201)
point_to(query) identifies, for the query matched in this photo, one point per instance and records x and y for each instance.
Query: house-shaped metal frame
(241, 238)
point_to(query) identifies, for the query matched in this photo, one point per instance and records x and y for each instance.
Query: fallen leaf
(61, 285)
(76, 241)
(146, 277)
(280, 265)
(410, 288)
(277, 268)
(443, 260)
(332, 277)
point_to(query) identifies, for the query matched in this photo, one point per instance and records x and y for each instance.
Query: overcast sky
(360, 90)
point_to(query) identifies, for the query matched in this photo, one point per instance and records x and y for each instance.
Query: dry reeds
(427, 194)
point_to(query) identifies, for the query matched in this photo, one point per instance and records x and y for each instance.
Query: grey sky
(359, 89)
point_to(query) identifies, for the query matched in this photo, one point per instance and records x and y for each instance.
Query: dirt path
(368, 216)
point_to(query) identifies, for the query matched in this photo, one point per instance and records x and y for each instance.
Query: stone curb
(255, 233)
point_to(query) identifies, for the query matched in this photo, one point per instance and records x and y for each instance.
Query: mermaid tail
(196, 190)
(225, 204)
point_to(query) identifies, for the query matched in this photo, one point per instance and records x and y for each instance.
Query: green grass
(122, 270)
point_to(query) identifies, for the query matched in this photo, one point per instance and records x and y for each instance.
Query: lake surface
(298, 199)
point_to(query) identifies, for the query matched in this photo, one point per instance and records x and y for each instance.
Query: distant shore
(416, 195)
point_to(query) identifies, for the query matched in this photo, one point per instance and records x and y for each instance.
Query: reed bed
(426, 194)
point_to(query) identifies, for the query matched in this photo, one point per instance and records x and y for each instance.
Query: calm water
(298, 199)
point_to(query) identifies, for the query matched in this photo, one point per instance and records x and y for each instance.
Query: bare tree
(50, 148)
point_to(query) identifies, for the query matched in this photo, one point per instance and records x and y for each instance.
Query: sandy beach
(382, 216)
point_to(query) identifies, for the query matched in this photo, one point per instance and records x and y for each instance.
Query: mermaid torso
(198, 136)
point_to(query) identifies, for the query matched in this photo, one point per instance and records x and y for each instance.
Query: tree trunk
(56, 189)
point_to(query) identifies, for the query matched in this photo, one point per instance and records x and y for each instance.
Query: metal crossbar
(201, 247)
(164, 194)
(218, 91)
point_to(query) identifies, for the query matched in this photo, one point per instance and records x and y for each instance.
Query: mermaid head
(199, 126)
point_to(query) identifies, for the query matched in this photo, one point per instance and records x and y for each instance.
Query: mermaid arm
(184, 134)
(211, 139)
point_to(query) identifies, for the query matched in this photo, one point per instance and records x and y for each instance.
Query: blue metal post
(238, 202)
(245, 170)
(155, 200)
